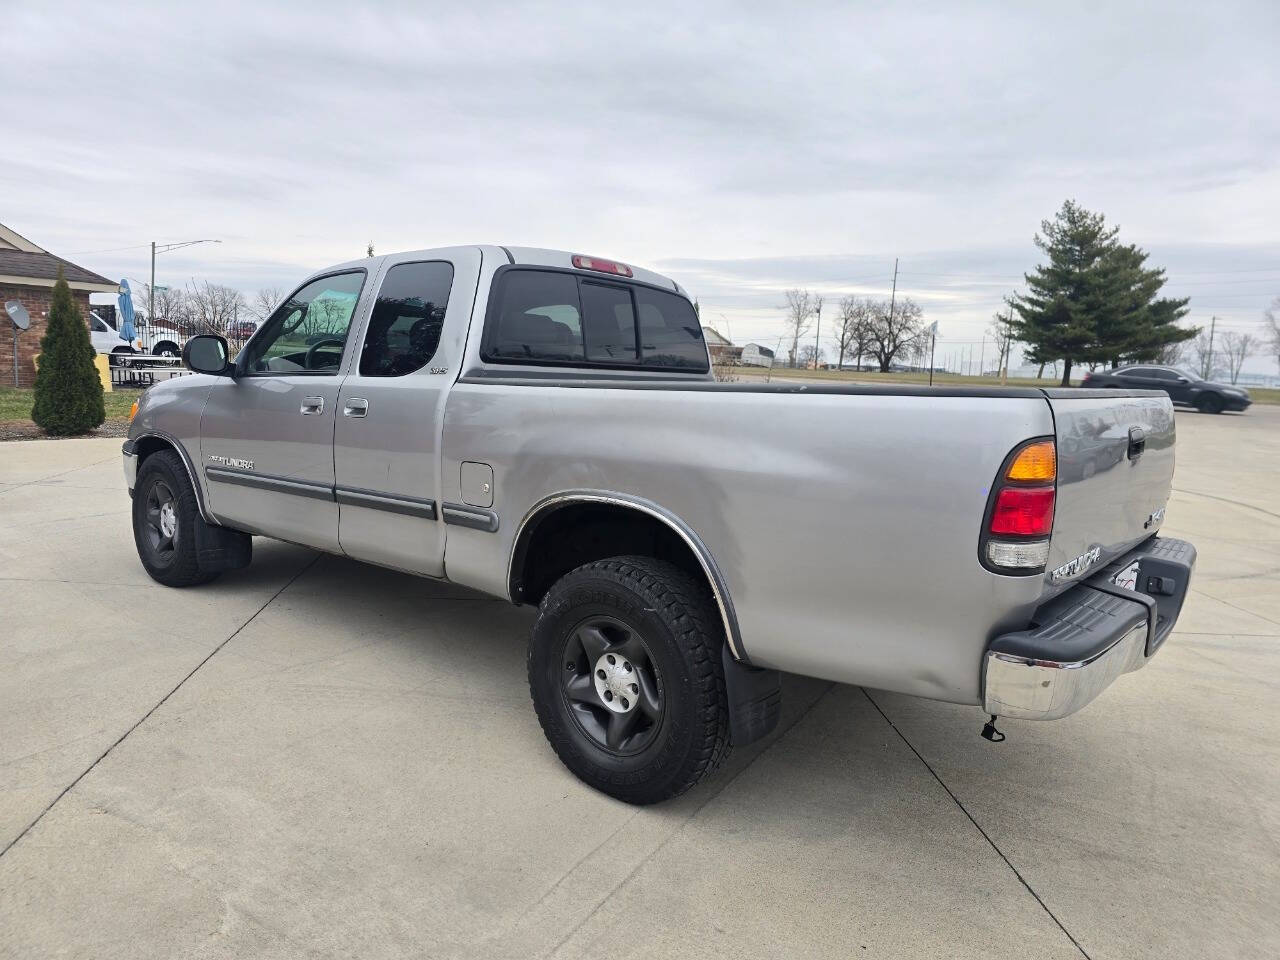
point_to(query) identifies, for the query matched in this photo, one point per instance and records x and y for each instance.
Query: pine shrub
(68, 392)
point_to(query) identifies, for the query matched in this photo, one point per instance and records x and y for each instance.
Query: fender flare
(185, 457)
(550, 504)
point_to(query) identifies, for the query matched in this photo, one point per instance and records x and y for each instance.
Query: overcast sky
(744, 149)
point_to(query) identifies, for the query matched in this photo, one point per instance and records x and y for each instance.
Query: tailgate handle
(1137, 442)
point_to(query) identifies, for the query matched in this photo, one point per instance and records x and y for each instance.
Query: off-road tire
(677, 620)
(182, 567)
(1210, 403)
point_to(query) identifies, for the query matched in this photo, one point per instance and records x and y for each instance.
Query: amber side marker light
(1037, 462)
(133, 411)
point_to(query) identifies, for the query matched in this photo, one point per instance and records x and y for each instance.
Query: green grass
(16, 404)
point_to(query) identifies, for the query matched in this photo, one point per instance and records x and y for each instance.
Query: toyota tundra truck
(544, 427)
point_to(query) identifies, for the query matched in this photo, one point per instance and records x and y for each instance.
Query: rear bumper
(1082, 640)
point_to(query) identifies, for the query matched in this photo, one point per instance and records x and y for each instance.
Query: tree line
(204, 307)
(886, 330)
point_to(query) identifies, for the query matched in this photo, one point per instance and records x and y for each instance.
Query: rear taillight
(1019, 518)
(601, 266)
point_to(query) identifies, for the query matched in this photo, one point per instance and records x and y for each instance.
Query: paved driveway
(314, 758)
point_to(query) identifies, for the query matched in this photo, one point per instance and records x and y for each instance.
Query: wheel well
(566, 537)
(163, 344)
(146, 446)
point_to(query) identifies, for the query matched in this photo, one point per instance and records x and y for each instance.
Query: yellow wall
(100, 361)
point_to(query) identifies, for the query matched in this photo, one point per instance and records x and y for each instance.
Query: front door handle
(312, 405)
(355, 407)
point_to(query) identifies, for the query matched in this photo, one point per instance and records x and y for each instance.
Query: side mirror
(1180, 379)
(207, 354)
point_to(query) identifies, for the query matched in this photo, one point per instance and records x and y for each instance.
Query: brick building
(27, 274)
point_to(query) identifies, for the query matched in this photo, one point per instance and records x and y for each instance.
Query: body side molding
(719, 589)
(461, 515)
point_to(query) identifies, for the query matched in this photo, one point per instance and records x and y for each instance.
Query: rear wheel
(165, 515)
(626, 678)
(1211, 403)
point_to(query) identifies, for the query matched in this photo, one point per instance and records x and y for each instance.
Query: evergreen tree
(68, 391)
(1095, 300)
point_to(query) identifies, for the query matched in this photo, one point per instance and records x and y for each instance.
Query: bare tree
(1238, 347)
(169, 303)
(801, 305)
(853, 330)
(1001, 332)
(812, 355)
(1271, 328)
(213, 306)
(265, 301)
(1172, 354)
(1202, 352)
(895, 329)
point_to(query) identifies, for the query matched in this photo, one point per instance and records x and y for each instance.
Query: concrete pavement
(316, 758)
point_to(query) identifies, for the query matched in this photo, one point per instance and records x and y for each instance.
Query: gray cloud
(745, 148)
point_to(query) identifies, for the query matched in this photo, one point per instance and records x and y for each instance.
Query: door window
(308, 332)
(404, 329)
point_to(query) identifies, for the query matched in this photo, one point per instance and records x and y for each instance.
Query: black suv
(1181, 386)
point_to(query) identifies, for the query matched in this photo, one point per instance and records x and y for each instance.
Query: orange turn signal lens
(133, 411)
(1036, 461)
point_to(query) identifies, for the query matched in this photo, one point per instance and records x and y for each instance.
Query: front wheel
(165, 515)
(626, 678)
(166, 349)
(1210, 404)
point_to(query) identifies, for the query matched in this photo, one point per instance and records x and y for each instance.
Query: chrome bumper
(1081, 641)
(1029, 689)
(130, 465)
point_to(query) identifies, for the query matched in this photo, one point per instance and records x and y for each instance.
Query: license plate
(1128, 577)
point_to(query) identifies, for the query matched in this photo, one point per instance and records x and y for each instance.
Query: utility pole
(1208, 372)
(1008, 346)
(894, 293)
(982, 357)
(816, 334)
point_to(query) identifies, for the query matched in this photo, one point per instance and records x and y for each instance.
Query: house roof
(24, 263)
(715, 338)
(763, 351)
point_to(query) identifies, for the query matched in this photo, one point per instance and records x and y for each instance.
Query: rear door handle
(355, 407)
(312, 405)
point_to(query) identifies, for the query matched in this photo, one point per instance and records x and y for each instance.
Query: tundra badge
(1073, 568)
(231, 462)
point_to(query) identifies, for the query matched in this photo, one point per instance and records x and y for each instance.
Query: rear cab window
(552, 317)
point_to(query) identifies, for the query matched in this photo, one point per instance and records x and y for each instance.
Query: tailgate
(1115, 472)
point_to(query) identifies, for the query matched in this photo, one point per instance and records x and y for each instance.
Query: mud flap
(755, 699)
(221, 548)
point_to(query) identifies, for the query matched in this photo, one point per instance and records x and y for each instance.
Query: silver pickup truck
(544, 427)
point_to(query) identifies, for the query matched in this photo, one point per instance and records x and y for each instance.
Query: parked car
(1182, 386)
(545, 427)
(106, 339)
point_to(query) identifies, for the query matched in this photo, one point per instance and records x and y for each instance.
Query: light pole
(164, 248)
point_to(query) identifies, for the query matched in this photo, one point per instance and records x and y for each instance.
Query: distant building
(27, 274)
(754, 355)
(720, 347)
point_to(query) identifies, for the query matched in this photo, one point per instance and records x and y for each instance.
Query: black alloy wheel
(612, 686)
